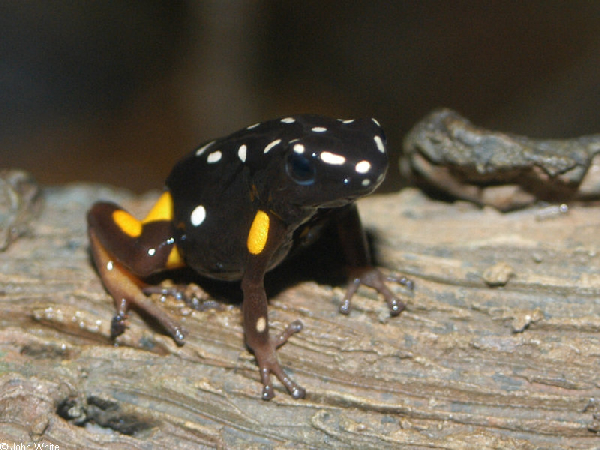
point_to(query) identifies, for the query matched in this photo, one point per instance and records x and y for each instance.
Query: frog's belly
(222, 257)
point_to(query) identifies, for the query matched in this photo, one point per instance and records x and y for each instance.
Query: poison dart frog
(237, 207)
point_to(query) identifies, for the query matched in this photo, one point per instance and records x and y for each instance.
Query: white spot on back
(299, 148)
(288, 120)
(271, 145)
(242, 152)
(319, 129)
(110, 265)
(198, 215)
(366, 182)
(346, 121)
(363, 167)
(379, 144)
(204, 147)
(253, 126)
(214, 157)
(375, 122)
(332, 158)
(151, 251)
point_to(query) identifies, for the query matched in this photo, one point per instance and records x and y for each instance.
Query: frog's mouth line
(339, 202)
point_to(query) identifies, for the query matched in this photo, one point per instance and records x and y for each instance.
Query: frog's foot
(372, 277)
(192, 294)
(120, 323)
(268, 365)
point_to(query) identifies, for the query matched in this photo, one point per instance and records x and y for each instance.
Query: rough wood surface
(499, 347)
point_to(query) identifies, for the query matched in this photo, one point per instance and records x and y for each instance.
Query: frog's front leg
(125, 249)
(354, 243)
(265, 236)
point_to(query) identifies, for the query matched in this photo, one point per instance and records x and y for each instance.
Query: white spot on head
(214, 157)
(271, 145)
(198, 215)
(110, 265)
(379, 144)
(288, 120)
(375, 122)
(366, 182)
(253, 126)
(319, 129)
(332, 158)
(261, 324)
(204, 147)
(242, 152)
(151, 251)
(363, 167)
(299, 148)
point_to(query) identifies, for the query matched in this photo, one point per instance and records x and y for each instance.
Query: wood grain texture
(499, 347)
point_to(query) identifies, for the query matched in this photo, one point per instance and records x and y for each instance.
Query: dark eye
(300, 169)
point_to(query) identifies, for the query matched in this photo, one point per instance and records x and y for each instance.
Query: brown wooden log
(499, 346)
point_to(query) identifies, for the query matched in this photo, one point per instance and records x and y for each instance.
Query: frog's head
(329, 163)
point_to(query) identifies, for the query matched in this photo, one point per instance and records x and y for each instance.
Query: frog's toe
(273, 368)
(118, 325)
(193, 295)
(400, 279)
(295, 327)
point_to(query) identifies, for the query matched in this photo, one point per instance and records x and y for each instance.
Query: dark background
(116, 92)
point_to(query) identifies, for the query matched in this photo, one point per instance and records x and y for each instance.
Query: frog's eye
(300, 169)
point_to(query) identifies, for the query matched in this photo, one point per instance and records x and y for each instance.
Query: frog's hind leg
(125, 249)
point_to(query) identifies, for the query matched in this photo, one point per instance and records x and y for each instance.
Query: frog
(235, 208)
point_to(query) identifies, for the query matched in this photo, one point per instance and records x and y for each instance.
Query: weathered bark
(447, 153)
(499, 346)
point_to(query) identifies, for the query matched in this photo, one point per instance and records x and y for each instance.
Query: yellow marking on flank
(175, 260)
(127, 223)
(162, 209)
(259, 231)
